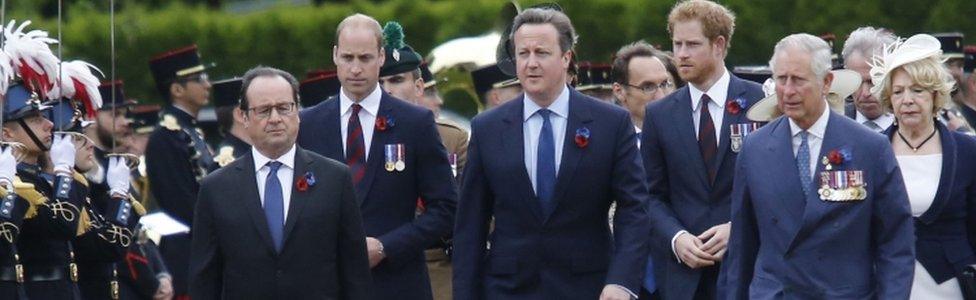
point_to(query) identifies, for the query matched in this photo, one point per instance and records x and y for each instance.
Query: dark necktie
(803, 162)
(706, 138)
(355, 147)
(274, 205)
(545, 171)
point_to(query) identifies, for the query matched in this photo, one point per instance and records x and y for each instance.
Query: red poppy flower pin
(305, 181)
(734, 106)
(582, 137)
(384, 122)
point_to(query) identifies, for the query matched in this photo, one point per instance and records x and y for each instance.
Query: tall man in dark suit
(547, 166)
(689, 145)
(396, 157)
(819, 209)
(292, 230)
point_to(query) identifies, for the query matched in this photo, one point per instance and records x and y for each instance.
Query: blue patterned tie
(803, 162)
(274, 206)
(545, 171)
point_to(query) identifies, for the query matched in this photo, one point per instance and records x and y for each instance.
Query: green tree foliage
(299, 38)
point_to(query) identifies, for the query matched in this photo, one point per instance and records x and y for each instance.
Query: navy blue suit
(789, 245)
(571, 254)
(388, 200)
(946, 233)
(681, 196)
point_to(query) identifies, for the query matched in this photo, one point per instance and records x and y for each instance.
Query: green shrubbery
(298, 38)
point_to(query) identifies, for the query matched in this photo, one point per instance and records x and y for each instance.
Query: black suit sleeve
(206, 260)
(664, 222)
(353, 263)
(436, 187)
(630, 219)
(743, 247)
(170, 173)
(471, 236)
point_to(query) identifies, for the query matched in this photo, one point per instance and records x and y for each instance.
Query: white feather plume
(82, 72)
(31, 48)
(6, 72)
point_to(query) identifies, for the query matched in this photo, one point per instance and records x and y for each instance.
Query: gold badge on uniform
(738, 132)
(842, 186)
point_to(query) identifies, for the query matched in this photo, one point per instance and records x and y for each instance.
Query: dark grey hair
(262, 71)
(564, 27)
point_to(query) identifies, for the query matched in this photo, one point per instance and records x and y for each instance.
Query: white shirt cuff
(632, 295)
(673, 250)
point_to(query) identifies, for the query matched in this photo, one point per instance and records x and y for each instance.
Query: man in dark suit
(292, 230)
(819, 209)
(859, 48)
(547, 166)
(396, 157)
(689, 146)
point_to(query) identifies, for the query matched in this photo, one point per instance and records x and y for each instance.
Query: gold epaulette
(27, 191)
(225, 156)
(80, 178)
(137, 206)
(169, 122)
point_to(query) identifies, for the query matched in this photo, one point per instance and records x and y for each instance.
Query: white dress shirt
(286, 175)
(716, 108)
(367, 116)
(884, 121)
(814, 139)
(532, 127)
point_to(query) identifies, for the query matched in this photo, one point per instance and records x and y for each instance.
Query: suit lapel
(252, 200)
(946, 180)
(579, 116)
(723, 146)
(783, 164)
(299, 199)
(514, 148)
(815, 208)
(332, 139)
(376, 158)
(685, 126)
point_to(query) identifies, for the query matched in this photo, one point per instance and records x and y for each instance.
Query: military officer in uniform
(177, 156)
(494, 86)
(235, 144)
(595, 80)
(111, 127)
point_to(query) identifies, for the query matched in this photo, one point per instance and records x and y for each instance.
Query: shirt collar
(370, 104)
(817, 129)
(718, 92)
(560, 107)
(884, 121)
(288, 159)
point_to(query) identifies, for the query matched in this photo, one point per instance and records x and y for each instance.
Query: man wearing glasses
(292, 229)
(689, 144)
(642, 74)
(177, 156)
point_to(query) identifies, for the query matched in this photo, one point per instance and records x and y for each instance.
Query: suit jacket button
(278, 274)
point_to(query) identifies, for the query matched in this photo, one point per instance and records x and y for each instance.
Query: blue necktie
(274, 205)
(803, 162)
(545, 170)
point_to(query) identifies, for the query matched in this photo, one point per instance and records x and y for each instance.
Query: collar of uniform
(884, 121)
(287, 159)
(370, 104)
(817, 129)
(181, 115)
(717, 92)
(559, 107)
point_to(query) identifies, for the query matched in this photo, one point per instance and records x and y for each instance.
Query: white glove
(117, 176)
(63, 154)
(8, 167)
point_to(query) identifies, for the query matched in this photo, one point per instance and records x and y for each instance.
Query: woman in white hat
(937, 164)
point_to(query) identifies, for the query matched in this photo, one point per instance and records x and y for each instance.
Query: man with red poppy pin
(291, 227)
(371, 130)
(798, 231)
(689, 154)
(546, 167)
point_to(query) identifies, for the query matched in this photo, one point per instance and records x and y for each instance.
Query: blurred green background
(297, 35)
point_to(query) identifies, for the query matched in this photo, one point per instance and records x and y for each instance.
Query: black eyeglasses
(652, 88)
(264, 112)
